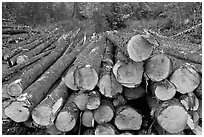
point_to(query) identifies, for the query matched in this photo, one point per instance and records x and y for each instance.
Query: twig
(186, 31)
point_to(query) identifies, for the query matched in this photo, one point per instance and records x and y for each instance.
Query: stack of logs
(112, 83)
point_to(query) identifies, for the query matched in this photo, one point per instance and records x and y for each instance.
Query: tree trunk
(94, 100)
(88, 119)
(133, 93)
(105, 129)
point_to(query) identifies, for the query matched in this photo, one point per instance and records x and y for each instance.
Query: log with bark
(81, 100)
(87, 66)
(32, 74)
(19, 110)
(26, 56)
(108, 85)
(45, 113)
(25, 64)
(127, 118)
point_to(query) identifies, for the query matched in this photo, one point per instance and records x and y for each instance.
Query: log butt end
(17, 111)
(14, 89)
(41, 115)
(173, 119)
(139, 48)
(21, 59)
(65, 121)
(86, 78)
(69, 79)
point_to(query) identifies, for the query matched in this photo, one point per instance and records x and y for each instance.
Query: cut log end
(105, 129)
(165, 90)
(109, 86)
(94, 100)
(173, 119)
(128, 118)
(103, 114)
(158, 67)
(88, 119)
(17, 111)
(81, 100)
(186, 79)
(14, 88)
(86, 78)
(139, 48)
(41, 115)
(128, 74)
(21, 59)
(65, 121)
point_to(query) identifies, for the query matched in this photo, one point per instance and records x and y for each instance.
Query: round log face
(17, 111)
(21, 59)
(65, 121)
(103, 114)
(139, 49)
(86, 78)
(128, 119)
(128, 74)
(42, 115)
(14, 88)
(158, 67)
(165, 90)
(104, 129)
(186, 79)
(87, 119)
(173, 119)
(81, 100)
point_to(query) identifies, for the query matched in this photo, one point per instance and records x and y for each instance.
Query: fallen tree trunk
(108, 85)
(32, 74)
(104, 113)
(23, 57)
(87, 65)
(23, 65)
(67, 118)
(45, 113)
(35, 93)
(127, 118)
(158, 67)
(186, 79)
